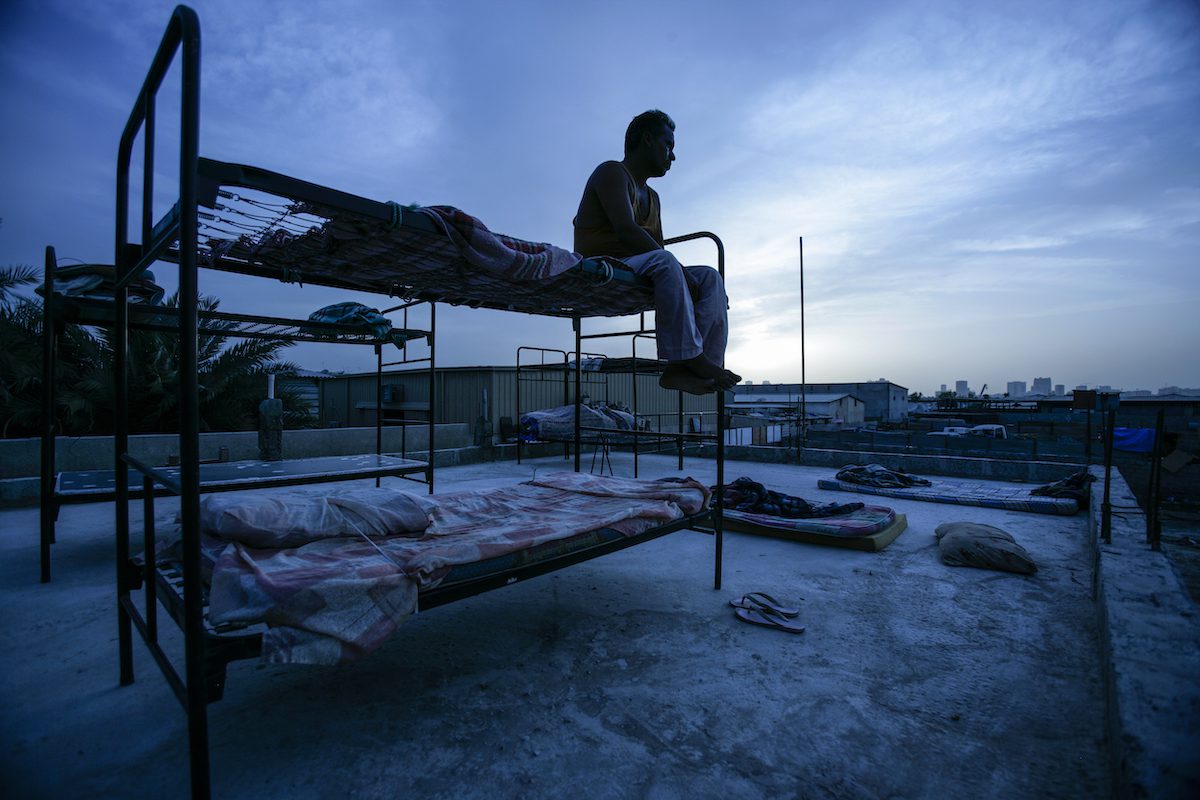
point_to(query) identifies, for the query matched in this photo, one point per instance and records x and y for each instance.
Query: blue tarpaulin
(1133, 440)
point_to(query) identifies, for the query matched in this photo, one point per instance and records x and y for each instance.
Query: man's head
(650, 137)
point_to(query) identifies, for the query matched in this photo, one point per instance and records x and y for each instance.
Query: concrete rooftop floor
(625, 676)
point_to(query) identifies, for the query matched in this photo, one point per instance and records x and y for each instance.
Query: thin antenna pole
(803, 376)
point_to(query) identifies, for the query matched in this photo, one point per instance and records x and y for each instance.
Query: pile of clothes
(751, 497)
(877, 475)
(1073, 486)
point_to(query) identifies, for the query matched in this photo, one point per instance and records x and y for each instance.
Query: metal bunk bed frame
(197, 686)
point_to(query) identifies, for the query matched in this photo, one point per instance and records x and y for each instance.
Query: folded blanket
(877, 475)
(496, 252)
(351, 313)
(751, 497)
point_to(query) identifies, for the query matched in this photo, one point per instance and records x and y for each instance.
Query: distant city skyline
(1044, 387)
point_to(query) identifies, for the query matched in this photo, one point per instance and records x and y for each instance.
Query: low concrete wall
(20, 459)
(1150, 652)
(958, 466)
(994, 469)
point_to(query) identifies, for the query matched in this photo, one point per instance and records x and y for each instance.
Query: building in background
(883, 401)
(960, 389)
(1016, 388)
(1059, 390)
(838, 408)
(1041, 386)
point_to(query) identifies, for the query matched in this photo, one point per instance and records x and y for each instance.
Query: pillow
(970, 544)
(281, 520)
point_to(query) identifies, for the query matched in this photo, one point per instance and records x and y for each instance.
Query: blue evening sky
(986, 191)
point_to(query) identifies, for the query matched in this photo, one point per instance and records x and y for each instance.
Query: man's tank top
(594, 232)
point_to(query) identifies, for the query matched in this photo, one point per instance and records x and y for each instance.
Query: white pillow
(281, 520)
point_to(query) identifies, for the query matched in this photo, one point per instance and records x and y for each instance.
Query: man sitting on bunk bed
(619, 217)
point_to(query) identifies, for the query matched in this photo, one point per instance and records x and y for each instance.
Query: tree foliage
(232, 376)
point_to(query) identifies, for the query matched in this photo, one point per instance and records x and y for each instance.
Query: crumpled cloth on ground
(878, 475)
(751, 497)
(1073, 486)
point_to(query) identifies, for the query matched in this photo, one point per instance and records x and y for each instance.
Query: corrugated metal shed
(349, 400)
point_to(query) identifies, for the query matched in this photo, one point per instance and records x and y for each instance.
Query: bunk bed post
(120, 343)
(189, 407)
(719, 505)
(679, 427)
(47, 510)
(517, 392)
(633, 394)
(577, 324)
(432, 389)
(378, 404)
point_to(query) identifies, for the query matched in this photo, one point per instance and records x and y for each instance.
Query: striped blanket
(495, 252)
(336, 600)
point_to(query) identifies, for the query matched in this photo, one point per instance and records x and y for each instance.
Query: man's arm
(611, 183)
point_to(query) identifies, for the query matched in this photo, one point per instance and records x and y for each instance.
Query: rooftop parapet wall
(21, 458)
(1150, 651)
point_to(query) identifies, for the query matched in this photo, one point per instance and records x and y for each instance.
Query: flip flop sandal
(761, 601)
(767, 620)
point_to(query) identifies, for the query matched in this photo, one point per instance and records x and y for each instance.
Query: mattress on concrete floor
(868, 528)
(965, 493)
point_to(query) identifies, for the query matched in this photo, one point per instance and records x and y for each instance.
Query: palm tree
(20, 353)
(232, 378)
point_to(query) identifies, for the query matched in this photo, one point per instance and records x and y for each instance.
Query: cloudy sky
(986, 191)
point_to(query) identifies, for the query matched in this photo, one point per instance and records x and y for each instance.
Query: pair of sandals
(760, 608)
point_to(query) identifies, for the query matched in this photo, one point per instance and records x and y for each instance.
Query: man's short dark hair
(646, 122)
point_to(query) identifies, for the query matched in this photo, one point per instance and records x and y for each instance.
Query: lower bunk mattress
(965, 493)
(868, 528)
(334, 589)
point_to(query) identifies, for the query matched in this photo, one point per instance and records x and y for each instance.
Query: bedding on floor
(987, 494)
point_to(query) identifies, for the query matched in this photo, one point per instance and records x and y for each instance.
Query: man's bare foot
(703, 367)
(677, 376)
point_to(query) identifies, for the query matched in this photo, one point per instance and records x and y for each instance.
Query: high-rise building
(1016, 388)
(960, 389)
(1059, 390)
(1041, 386)
(942, 390)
